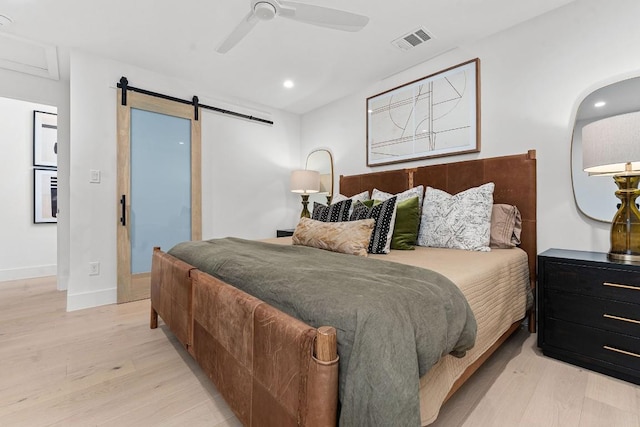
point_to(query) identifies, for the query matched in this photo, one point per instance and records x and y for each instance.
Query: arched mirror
(595, 194)
(321, 161)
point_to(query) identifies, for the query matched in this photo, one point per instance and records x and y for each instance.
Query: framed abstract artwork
(45, 195)
(435, 116)
(45, 139)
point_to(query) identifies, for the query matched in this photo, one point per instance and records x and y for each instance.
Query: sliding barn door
(159, 195)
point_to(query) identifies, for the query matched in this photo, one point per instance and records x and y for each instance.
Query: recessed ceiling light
(599, 104)
(288, 84)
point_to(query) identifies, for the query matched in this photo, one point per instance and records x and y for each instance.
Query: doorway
(29, 212)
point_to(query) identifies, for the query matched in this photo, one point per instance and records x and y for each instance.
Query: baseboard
(91, 299)
(28, 272)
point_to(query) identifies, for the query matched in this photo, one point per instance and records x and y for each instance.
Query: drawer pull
(616, 285)
(624, 319)
(617, 350)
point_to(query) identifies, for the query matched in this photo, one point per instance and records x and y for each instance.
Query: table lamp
(611, 146)
(305, 182)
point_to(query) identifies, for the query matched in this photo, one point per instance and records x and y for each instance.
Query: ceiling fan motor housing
(264, 11)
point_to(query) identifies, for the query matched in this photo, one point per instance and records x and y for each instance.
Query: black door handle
(123, 218)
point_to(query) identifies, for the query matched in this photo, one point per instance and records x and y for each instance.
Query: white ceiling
(179, 38)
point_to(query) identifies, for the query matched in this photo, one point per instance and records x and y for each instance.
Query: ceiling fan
(266, 10)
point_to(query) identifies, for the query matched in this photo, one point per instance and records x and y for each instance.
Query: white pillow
(405, 195)
(360, 196)
(461, 221)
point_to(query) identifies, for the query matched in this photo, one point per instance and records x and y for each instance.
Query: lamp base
(305, 210)
(625, 227)
(631, 259)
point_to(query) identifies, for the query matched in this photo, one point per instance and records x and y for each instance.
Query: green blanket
(394, 321)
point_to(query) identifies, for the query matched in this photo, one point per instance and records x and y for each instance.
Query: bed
(276, 370)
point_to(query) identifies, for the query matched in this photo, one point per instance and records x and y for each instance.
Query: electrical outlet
(94, 268)
(94, 176)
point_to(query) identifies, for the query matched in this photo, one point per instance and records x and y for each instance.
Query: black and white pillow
(336, 212)
(385, 215)
(459, 221)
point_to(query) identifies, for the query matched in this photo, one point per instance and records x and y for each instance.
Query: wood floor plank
(616, 393)
(520, 378)
(560, 391)
(599, 414)
(105, 367)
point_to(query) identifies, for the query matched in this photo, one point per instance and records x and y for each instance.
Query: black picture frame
(45, 139)
(45, 196)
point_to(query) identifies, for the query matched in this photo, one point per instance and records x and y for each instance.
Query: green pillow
(405, 232)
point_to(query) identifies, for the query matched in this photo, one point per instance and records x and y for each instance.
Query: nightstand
(589, 312)
(285, 232)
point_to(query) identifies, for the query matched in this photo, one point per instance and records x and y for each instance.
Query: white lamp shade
(305, 181)
(609, 144)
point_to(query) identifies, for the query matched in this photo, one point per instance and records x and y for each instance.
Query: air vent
(411, 39)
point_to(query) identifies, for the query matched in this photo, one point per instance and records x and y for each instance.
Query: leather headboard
(514, 177)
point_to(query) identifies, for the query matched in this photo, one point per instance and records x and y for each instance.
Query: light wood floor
(105, 367)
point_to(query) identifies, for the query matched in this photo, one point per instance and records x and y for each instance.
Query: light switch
(94, 176)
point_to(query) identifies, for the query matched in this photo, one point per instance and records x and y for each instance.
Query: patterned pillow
(385, 215)
(335, 212)
(461, 221)
(346, 237)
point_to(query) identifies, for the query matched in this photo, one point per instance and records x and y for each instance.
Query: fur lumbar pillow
(350, 237)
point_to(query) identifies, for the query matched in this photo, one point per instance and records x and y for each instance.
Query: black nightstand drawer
(596, 312)
(617, 349)
(621, 285)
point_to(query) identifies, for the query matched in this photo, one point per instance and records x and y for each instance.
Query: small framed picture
(45, 139)
(45, 196)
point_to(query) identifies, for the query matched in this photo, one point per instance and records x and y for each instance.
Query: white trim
(28, 272)
(91, 299)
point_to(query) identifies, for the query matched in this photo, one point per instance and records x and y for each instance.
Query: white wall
(26, 249)
(246, 169)
(245, 175)
(533, 77)
(52, 93)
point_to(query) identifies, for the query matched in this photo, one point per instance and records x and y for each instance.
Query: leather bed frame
(275, 370)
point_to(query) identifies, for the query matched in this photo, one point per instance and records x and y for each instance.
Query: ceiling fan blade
(238, 33)
(322, 16)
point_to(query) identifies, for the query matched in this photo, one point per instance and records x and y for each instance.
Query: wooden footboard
(272, 369)
(171, 295)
